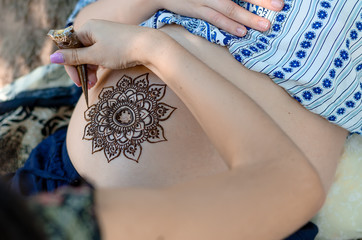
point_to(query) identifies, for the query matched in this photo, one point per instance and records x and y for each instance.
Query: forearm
(128, 12)
(265, 201)
(234, 123)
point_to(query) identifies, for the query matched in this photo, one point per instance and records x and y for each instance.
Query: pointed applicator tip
(83, 77)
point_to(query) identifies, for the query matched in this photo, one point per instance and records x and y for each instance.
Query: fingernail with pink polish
(57, 58)
(90, 84)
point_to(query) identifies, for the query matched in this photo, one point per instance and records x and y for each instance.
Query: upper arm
(128, 12)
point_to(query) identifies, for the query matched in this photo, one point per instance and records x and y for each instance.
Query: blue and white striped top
(313, 50)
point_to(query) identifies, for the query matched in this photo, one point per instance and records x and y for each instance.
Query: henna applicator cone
(66, 39)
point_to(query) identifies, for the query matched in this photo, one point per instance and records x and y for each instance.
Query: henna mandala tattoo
(126, 116)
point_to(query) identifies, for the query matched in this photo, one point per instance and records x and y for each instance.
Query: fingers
(92, 75)
(237, 14)
(76, 56)
(220, 20)
(85, 33)
(73, 74)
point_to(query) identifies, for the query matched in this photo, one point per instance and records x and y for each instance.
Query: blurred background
(23, 28)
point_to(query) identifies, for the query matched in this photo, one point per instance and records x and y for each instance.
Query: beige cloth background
(341, 216)
(23, 28)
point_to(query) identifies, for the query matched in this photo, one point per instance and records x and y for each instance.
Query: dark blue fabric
(307, 232)
(50, 97)
(47, 168)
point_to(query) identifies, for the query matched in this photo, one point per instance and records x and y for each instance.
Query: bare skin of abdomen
(171, 147)
(182, 151)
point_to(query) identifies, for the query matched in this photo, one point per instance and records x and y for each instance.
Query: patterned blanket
(32, 108)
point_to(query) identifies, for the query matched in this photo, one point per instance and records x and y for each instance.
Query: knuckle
(216, 18)
(231, 10)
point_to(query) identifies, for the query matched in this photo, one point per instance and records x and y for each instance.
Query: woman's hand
(224, 14)
(107, 44)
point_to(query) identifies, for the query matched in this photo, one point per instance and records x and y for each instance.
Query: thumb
(75, 56)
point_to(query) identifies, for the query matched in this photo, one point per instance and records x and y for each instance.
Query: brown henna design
(126, 116)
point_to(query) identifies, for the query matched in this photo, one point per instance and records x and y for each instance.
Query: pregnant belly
(137, 133)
